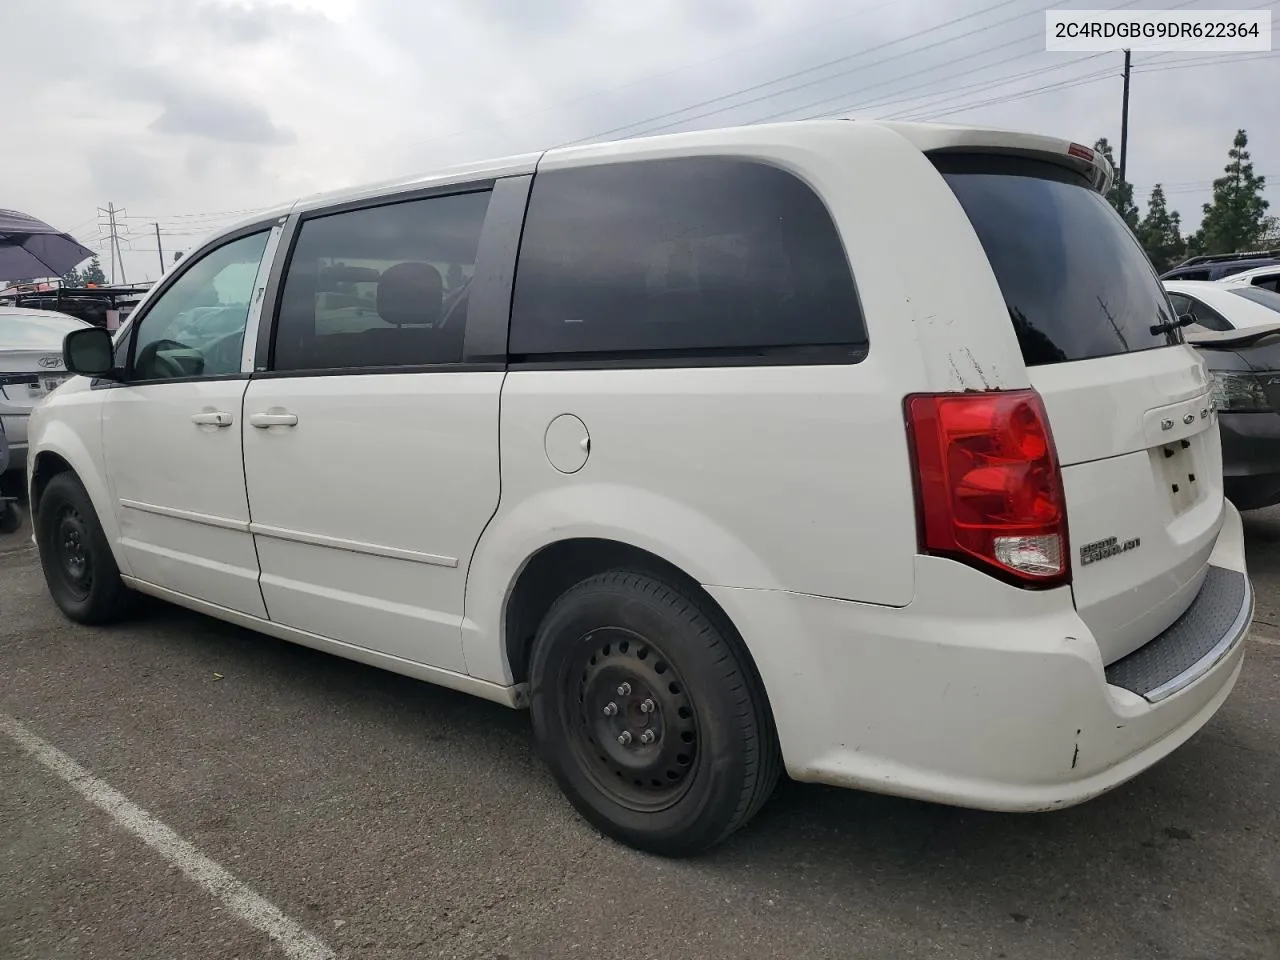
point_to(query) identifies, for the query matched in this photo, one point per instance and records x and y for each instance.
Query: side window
(196, 327)
(1271, 283)
(1207, 317)
(1180, 303)
(380, 286)
(709, 255)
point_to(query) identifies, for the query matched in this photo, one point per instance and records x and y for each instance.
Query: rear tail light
(988, 485)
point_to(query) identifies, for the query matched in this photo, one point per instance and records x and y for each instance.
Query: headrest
(410, 294)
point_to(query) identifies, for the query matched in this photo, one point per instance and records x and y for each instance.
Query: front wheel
(79, 569)
(650, 715)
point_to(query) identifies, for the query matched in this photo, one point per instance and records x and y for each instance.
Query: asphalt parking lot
(384, 818)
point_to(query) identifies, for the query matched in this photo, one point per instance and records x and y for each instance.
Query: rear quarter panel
(789, 478)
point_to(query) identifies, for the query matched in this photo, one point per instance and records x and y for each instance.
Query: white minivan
(682, 444)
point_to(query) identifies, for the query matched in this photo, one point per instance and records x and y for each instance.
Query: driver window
(196, 327)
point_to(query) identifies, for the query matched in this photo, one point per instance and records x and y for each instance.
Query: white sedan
(30, 369)
(1267, 278)
(1221, 306)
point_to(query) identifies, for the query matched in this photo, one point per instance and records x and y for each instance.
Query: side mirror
(89, 352)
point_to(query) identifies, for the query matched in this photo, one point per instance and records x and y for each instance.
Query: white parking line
(296, 942)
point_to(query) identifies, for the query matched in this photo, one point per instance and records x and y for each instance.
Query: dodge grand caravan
(661, 440)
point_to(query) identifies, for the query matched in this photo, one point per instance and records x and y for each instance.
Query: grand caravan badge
(1106, 549)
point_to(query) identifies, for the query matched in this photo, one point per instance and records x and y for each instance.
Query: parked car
(1221, 266)
(30, 368)
(1221, 306)
(1237, 330)
(1266, 277)
(696, 467)
(9, 517)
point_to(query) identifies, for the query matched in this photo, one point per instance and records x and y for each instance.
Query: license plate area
(50, 384)
(1177, 463)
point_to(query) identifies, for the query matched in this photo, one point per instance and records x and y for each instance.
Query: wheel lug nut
(624, 688)
(647, 707)
(647, 737)
(624, 737)
(610, 709)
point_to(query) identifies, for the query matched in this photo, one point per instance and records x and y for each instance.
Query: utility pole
(1124, 117)
(159, 249)
(115, 236)
(113, 240)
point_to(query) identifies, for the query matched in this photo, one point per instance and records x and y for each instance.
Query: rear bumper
(977, 694)
(15, 430)
(17, 458)
(1251, 458)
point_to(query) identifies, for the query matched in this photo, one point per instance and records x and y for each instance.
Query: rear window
(1268, 298)
(690, 257)
(1077, 284)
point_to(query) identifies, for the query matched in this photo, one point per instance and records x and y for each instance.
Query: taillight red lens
(1078, 150)
(988, 485)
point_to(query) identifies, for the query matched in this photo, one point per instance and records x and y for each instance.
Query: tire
(608, 645)
(10, 518)
(79, 568)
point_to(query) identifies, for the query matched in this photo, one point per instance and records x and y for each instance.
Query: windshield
(1268, 298)
(1076, 282)
(23, 330)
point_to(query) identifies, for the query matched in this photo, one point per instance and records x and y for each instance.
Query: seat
(410, 299)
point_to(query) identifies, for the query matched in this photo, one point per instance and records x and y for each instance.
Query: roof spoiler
(941, 138)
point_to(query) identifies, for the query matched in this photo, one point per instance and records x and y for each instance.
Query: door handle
(213, 418)
(265, 420)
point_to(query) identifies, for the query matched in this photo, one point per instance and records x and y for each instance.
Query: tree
(92, 273)
(1160, 232)
(1236, 218)
(1120, 195)
(1270, 239)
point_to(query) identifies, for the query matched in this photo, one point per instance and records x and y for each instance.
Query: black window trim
(683, 358)
(162, 287)
(487, 312)
(849, 353)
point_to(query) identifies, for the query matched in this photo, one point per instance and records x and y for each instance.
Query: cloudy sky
(190, 113)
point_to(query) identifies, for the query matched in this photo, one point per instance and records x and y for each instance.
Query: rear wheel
(79, 569)
(649, 715)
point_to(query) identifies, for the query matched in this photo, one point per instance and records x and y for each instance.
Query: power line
(976, 87)
(928, 83)
(895, 96)
(808, 70)
(928, 114)
(649, 78)
(246, 211)
(1228, 59)
(990, 83)
(1008, 98)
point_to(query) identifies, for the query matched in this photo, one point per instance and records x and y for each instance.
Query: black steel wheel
(637, 731)
(650, 714)
(79, 569)
(71, 551)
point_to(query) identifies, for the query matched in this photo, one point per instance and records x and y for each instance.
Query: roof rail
(1224, 257)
